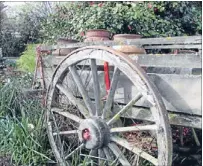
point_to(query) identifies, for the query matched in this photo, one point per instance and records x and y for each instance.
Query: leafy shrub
(26, 62)
(150, 19)
(10, 44)
(20, 25)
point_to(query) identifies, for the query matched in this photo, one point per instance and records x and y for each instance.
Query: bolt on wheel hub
(94, 133)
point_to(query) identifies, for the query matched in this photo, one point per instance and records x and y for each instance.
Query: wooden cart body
(178, 77)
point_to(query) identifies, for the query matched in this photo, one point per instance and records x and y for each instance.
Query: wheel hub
(94, 133)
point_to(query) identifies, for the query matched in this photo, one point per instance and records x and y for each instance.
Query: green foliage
(21, 25)
(2, 6)
(10, 44)
(29, 18)
(150, 19)
(22, 132)
(23, 143)
(10, 98)
(26, 62)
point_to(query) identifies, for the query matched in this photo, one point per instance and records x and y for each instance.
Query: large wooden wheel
(87, 124)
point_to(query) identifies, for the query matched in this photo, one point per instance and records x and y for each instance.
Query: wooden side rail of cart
(177, 76)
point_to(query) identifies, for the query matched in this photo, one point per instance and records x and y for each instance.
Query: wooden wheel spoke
(75, 150)
(96, 87)
(139, 152)
(123, 110)
(133, 128)
(112, 90)
(101, 157)
(107, 154)
(53, 145)
(82, 89)
(94, 153)
(94, 156)
(66, 132)
(117, 152)
(73, 99)
(97, 155)
(67, 114)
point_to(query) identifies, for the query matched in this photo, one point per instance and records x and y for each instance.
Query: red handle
(106, 76)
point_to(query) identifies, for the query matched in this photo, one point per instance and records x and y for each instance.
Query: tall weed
(22, 129)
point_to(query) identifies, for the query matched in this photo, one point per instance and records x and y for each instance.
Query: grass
(22, 130)
(26, 62)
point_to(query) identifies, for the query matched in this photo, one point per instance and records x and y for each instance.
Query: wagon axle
(86, 134)
(94, 133)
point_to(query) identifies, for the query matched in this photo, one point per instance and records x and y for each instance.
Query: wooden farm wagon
(107, 107)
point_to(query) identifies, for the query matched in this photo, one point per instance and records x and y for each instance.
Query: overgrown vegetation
(22, 129)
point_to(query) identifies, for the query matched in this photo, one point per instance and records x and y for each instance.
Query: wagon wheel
(88, 125)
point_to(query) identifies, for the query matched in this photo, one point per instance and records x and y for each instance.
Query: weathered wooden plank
(188, 46)
(171, 87)
(126, 108)
(119, 155)
(169, 60)
(67, 114)
(165, 60)
(111, 92)
(70, 132)
(82, 90)
(73, 99)
(53, 145)
(144, 41)
(172, 70)
(181, 93)
(51, 60)
(81, 146)
(107, 154)
(101, 157)
(97, 95)
(133, 128)
(185, 120)
(48, 72)
(175, 118)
